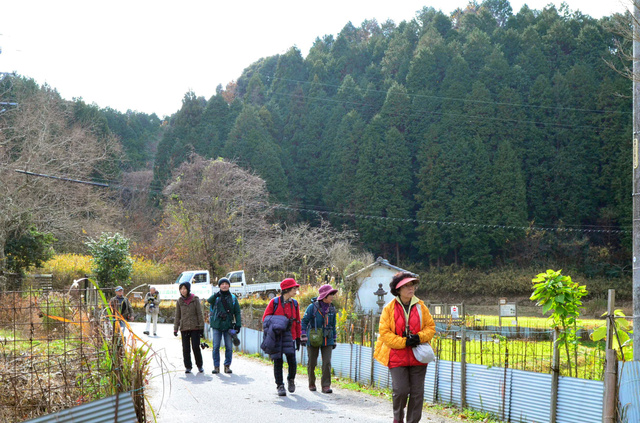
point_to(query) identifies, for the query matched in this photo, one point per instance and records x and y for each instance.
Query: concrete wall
(369, 281)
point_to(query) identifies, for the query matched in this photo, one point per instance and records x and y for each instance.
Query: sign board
(508, 310)
(437, 309)
(455, 313)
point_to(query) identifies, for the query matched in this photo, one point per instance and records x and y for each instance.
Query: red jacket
(289, 309)
(391, 349)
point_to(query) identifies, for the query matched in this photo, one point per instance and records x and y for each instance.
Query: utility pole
(636, 180)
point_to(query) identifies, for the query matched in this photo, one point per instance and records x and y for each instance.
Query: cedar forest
(482, 139)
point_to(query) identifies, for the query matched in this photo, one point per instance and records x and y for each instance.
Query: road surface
(249, 393)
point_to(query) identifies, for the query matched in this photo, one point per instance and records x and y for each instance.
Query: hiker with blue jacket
(281, 324)
(225, 320)
(319, 334)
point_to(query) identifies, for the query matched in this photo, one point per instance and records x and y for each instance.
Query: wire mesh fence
(519, 347)
(61, 349)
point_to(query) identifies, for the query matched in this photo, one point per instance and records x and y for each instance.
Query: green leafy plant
(558, 293)
(622, 341)
(111, 259)
(28, 248)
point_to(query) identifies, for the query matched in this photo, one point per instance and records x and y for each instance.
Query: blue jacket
(313, 318)
(277, 338)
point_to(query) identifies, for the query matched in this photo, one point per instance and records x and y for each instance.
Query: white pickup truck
(201, 285)
(240, 286)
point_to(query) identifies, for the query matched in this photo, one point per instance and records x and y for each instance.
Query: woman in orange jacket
(404, 323)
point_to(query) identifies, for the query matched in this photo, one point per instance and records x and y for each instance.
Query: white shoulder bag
(423, 352)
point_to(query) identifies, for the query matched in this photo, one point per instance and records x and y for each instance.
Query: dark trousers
(277, 368)
(325, 381)
(408, 381)
(191, 340)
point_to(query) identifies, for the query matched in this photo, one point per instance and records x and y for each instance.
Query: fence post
(555, 376)
(463, 368)
(610, 385)
(611, 363)
(373, 339)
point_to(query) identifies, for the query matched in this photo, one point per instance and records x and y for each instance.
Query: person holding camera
(319, 323)
(281, 324)
(190, 322)
(405, 322)
(152, 309)
(225, 320)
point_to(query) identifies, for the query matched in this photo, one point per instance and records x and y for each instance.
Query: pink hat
(288, 283)
(405, 281)
(325, 291)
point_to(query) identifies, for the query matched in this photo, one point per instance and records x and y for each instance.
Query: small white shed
(369, 280)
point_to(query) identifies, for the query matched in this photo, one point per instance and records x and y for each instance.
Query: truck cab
(236, 277)
(194, 277)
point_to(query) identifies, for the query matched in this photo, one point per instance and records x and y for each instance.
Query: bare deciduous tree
(220, 207)
(39, 136)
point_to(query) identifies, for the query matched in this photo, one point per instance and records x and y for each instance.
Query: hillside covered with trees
(480, 138)
(471, 145)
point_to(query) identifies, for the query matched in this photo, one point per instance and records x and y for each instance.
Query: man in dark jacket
(225, 320)
(120, 306)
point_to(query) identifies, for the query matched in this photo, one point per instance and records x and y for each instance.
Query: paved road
(248, 394)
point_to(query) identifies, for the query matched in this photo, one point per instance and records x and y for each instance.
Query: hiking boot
(216, 370)
(281, 391)
(187, 370)
(312, 388)
(146, 332)
(291, 385)
(327, 390)
(227, 369)
(201, 369)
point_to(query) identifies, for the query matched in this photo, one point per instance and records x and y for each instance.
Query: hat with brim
(119, 288)
(325, 291)
(405, 281)
(288, 283)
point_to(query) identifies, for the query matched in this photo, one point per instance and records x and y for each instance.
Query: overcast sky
(145, 55)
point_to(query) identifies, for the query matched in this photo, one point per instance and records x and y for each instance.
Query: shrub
(112, 263)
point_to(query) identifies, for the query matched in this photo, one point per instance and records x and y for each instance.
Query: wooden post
(373, 345)
(463, 368)
(610, 387)
(611, 307)
(555, 376)
(611, 363)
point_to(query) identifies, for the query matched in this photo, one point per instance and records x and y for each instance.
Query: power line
(464, 100)
(594, 229)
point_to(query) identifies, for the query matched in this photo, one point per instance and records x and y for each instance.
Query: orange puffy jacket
(391, 349)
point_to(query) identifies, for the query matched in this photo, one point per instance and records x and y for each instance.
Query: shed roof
(379, 262)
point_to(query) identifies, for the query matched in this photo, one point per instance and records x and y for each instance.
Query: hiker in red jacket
(287, 342)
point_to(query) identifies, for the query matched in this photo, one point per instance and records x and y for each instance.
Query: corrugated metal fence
(113, 409)
(511, 395)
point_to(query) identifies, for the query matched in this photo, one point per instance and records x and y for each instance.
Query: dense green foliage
(112, 263)
(28, 248)
(443, 140)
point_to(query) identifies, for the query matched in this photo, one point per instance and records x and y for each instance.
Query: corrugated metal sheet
(430, 383)
(526, 394)
(448, 382)
(485, 387)
(630, 390)
(100, 411)
(530, 397)
(588, 394)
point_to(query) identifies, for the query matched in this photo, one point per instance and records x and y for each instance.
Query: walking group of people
(405, 325)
